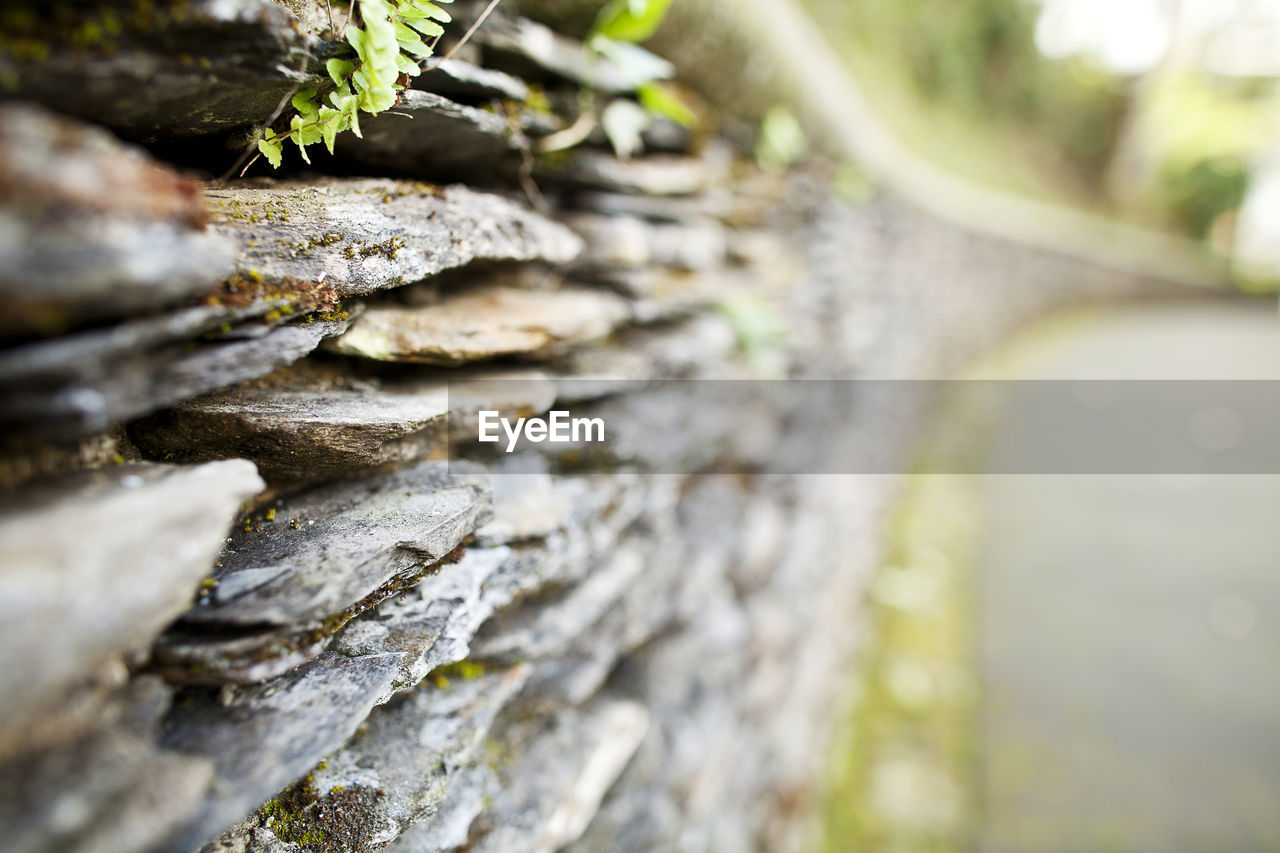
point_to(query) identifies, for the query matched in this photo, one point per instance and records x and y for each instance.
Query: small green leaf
(410, 43)
(661, 101)
(408, 66)
(339, 70)
(272, 150)
(302, 102)
(431, 10)
(426, 26)
(331, 124)
(357, 39)
(306, 131)
(631, 20)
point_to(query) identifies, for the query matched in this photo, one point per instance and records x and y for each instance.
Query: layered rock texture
(252, 597)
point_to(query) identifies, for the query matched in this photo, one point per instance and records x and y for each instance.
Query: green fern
(619, 28)
(389, 46)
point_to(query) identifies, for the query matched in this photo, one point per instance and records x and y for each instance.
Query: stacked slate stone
(246, 605)
(244, 602)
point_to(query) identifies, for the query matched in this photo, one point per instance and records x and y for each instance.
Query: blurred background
(1082, 663)
(1162, 112)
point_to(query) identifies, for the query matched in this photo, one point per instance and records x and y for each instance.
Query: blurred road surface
(1129, 626)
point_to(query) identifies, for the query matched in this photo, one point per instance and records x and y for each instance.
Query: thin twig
(255, 159)
(466, 37)
(570, 136)
(530, 187)
(252, 146)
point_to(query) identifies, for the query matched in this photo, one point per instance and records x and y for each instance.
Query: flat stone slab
(655, 175)
(703, 346)
(428, 135)
(631, 243)
(530, 49)
(549, 795)
(85, 383)
(298, 433)
(456, 79)
(99, 565)
(108, 788)
(93, 229)
(484, 323)
(159, 70)
(293, 575)
(431, 624)
(264, 737)
(301, 434)
(548, 626)
(355, 236)
(397, 770)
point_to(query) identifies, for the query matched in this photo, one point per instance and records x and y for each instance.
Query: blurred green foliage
(975, 63)
(963, 84)
(1202, 133)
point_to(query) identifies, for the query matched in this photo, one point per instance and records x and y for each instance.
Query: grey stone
(427, 135)
(92, 229)
(97, 566)
(526, 504)
(549, 624)
(396, 770)
(304, 434)
(341, 426)
(454, 78)
(695, 245)
(703, 346)
(448, 826)
(715, 202)
(289, 581)
(107, 789)
(88, 382)
(656, 175)
(527, 47)
(355, 236)
(553, 790)
(484, 323)
(264, 737)
(432, 623)
(158, 70)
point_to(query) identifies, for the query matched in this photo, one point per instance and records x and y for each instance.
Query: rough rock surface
(298, 431)
(264, 737)
(456, 79)
(292, 576)
(157, 70)
(108, 787)
(428, 135)
(484, 323)
(96, 567)
(360, 235)
(92, 229)
(87, 382)
(305, 434)
(530, 49)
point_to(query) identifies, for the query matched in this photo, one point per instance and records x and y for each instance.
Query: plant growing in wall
(389, 40)
(619, 29)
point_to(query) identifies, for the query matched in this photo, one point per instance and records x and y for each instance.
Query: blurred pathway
(1129, 627)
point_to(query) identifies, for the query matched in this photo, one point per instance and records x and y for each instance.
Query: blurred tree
(975, 65)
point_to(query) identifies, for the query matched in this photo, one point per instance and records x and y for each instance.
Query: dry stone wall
(245, 605)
